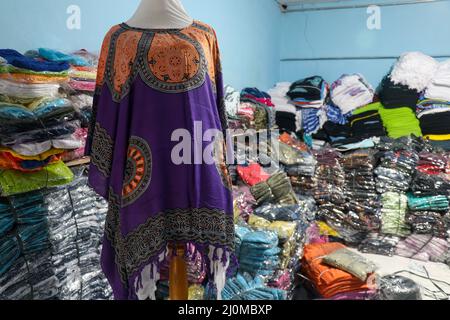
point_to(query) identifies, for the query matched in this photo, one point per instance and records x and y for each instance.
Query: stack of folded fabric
(245, 287)
(428, 222)
(296, 162)
(415, 70)
(83, 72)
(433, 110)
(256, 95)
(330, 178)
(288, 117)
(438, 203)
(309, 95)
(360, 189)
(259, 253)
(350, 92)
(432, 163)
(38, 125)
(366, 124)
(396, 170)
(277, 190)
(79, 215)
(80, 89)
(252, 174)
(424, 248)
(379, 244)
(25, 262)
(232, 98)
(400, 122)
(30, 278)
(290, 224)
(394, 95)
(333, 270)
(393, 214)
(254, 115)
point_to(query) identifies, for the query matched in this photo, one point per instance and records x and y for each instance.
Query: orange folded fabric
(328, 281)
(32, 78)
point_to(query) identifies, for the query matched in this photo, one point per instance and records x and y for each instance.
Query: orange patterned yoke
(170, 61)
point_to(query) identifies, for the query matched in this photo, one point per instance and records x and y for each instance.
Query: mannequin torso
(160, 14)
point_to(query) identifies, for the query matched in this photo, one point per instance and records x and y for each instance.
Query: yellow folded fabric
(438, 137)
(39, 157)
(325, 229)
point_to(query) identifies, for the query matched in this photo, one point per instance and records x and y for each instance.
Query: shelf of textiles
(413, 99)
(46, 102)
(50, 243)
(353, 197)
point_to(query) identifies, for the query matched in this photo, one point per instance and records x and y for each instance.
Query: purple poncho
(151, 83)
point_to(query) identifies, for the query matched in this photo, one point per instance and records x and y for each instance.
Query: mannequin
(160, 14)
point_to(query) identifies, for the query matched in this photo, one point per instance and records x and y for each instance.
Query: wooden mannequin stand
(178, 280)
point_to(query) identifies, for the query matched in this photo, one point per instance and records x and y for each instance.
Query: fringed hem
(220, 262)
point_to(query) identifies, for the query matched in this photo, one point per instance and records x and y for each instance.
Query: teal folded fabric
(57, 56)
(432, 203)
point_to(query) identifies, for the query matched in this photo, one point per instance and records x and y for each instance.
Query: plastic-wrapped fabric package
(380, 244)
(306, 210)
(76, 222)
(252, 174)
(28, 91)
(244, 201)
(31, 278)
(259, 253)
(432, 163)
(396, 170)
(353, 263)
(396, 287)
(393, 214)
(360, 187)
(53, 135)
(425, 185)
(426, 222)
(16, 118)
(245, 287)
(277, 189)
(424, 248)
(304, 184)
(431, 203)
(330, 178)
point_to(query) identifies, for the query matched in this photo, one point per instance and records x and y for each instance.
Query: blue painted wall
(344, 33)
(248, 30)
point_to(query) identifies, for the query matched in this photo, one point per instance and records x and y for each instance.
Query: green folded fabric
(370, 107)
(11, 69)
(15, 182)
(399, 122)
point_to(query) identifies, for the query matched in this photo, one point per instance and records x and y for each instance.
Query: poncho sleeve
(102, 128)
(219, 85)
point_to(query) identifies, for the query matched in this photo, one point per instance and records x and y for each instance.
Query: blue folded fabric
(244, 287)
(18, 60)
(57, 56)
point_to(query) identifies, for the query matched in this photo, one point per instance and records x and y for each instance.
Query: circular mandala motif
(138, 171)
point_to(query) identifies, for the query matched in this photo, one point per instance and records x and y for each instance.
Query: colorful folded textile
(14, 182)
(57, 56)
(328, 281)
(415, 70)
(350, 92)
(423, 248)
(20, 61)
